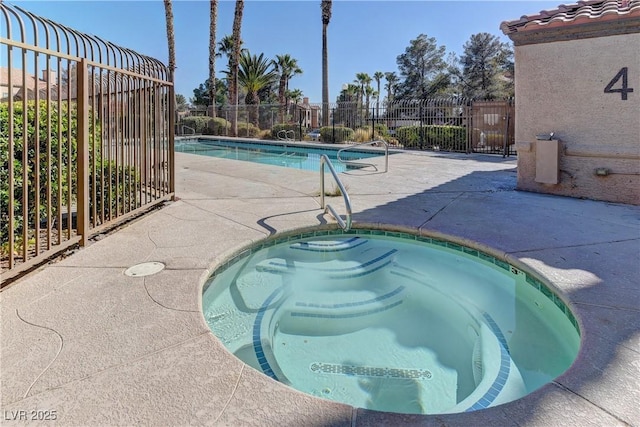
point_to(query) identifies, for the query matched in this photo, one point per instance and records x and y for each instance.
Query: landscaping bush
(53, 176)
(446, 138)
(216, 126)
(112, 191)
(381, 131)
(362, 135)
(57, 169)
(248, 130)
(197, 123)
(342, 134)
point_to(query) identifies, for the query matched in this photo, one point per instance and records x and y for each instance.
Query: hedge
(57, 172)
(446, 138)
(342, 134)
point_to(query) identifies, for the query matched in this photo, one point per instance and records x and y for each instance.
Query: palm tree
(295, 95)
(363, 80)
(287, 67)
(255, 73)
(325, 5)
(377, 76)
(390, 86)
(168, 13)
(233, 84)
(212, 54)
(225, 47)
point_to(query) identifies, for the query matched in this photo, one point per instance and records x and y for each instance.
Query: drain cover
(144, 269)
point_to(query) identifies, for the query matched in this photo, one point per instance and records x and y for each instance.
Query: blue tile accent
(503, 373)
(257, 341)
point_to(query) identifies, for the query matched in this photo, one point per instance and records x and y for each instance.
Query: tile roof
(583, 12)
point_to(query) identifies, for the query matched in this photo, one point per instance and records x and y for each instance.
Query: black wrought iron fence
(441, 124)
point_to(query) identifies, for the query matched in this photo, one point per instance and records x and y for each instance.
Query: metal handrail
(346, 226)
(286, 135)
(193, 131)
(386, 154)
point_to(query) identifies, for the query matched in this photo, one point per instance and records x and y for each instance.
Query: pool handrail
(193, 131)
(386, 154)
(346, 226)
(286, 136)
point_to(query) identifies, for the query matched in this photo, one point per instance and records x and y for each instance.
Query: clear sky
(363, 36)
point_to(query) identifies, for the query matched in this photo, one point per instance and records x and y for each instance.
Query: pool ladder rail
(286, 135)
(344, 224)
(386, 154)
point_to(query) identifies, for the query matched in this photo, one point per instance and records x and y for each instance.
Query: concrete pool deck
(92, 346)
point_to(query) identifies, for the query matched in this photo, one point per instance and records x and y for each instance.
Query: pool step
(329, 245)
(338, 312)
(358, 265)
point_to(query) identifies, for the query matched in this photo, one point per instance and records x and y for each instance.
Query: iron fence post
(82, 207)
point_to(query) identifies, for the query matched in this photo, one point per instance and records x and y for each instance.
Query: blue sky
(363, 36)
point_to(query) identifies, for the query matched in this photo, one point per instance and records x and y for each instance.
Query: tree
(486, 68)
(377, 76)
(325, 5)
(213, 17)
(181, 103)
(422, 66)
(287, 67)
(171, 44)
(168, 13)
(234, 63)
(390, 86)
(202, 94)
(255, 73)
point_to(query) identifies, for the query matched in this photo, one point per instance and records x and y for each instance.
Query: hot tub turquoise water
(391, 321)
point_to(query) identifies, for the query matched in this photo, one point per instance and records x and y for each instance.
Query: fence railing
(86, 137)
(445, 124)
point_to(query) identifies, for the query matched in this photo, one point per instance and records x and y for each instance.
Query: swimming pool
(286, 155)
(391, 321)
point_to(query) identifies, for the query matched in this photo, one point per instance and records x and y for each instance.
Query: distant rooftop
(589, 18)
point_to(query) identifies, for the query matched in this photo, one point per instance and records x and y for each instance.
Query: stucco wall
(560, 87)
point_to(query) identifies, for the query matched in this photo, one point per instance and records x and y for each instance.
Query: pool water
(400, 324)
(290, 156)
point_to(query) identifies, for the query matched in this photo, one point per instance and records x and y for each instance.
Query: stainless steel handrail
(386, 154)
(193, 131)
(286, 136)
(346, 226)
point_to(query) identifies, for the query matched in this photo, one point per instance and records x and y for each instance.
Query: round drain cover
(144, 269)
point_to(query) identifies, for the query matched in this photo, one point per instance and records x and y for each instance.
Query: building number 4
(624, 89)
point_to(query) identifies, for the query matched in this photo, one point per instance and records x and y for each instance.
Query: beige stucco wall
(560, 88)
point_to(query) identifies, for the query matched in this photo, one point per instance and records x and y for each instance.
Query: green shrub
(381, 130)
(112, 190)
(446, 138)
(286, 127)
(248, 130)
(57, 169)
(342, 134)
(216, 126)
(197, 123)
(53, 176)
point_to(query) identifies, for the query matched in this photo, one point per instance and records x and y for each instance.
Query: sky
(363, 36)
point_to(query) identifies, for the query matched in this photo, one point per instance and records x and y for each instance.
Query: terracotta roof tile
(574, 14)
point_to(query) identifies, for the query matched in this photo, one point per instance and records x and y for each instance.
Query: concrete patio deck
(96, 347)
